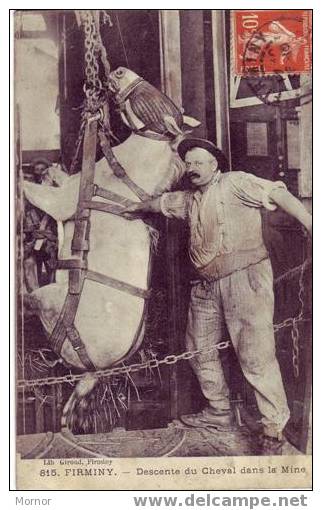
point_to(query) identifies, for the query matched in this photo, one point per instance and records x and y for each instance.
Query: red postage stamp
(272, 41)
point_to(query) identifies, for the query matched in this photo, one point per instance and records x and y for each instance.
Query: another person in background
(40, 234)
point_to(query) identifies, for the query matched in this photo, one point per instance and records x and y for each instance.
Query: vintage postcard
(163, 190)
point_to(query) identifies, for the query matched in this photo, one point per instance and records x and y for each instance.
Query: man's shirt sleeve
(175, 204)
(254, 191)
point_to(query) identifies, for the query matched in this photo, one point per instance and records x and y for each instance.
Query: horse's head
(144, 108)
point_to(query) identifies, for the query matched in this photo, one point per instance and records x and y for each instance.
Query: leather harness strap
(80, 245)
(117, 284)
(106, 207)
(65, 328)
(118, 169)
(103, 206)
(110, 195)
(102, 278)
(71, 264)
(146, 133)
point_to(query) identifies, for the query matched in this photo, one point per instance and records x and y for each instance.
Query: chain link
(294, 321)
(296, 351)
(295, 330)
(301, 291)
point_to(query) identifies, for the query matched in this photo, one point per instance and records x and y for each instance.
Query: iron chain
(294, 321)
(95, 93)
(170, 359)
(296, 350)
(295, 329)
(93, 85)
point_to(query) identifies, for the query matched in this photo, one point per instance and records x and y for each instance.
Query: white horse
(109, 321)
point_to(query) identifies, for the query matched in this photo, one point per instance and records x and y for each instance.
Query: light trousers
(244, 301)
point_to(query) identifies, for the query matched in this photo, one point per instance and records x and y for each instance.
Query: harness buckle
(118, 170)
(83, 214)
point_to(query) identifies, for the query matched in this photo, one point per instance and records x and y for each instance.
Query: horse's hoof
(85, 386)
(77, 400)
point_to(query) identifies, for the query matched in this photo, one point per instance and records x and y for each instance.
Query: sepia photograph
(163, 200)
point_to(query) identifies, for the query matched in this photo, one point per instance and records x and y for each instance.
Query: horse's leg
(82, 390)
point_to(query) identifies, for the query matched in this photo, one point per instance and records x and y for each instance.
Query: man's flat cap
(192, 143)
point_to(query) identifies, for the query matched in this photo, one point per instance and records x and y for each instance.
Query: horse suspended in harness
(94, 313)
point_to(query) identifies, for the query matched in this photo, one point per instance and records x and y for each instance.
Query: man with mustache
(234, 284)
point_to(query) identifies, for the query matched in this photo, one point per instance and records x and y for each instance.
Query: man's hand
(132, 210)
(146, 207)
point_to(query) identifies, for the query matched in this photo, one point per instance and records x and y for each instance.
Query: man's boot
(271, 445)
(209, 418)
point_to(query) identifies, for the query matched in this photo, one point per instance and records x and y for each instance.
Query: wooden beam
(170, 54)
(221, 82)
(305, 116)
(193, 67)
